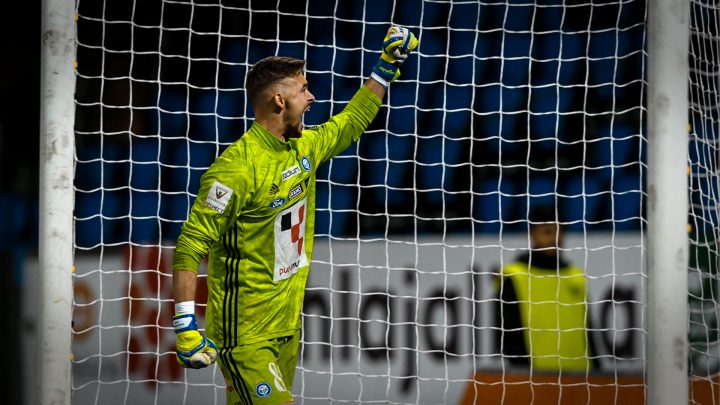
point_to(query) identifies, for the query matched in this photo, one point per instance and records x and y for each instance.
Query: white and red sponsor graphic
(290, 241)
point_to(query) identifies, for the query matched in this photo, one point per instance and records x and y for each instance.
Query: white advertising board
(398, 321)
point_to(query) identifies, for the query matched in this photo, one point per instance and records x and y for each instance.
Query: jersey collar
(267, 139)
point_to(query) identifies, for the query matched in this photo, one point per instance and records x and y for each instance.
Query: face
(546, 239)
(297, 99)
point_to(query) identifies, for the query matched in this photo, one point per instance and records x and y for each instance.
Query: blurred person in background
(542, 315)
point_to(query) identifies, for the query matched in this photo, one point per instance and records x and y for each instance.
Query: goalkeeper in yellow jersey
(254, 217)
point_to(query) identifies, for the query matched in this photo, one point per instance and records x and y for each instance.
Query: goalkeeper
(254, 217)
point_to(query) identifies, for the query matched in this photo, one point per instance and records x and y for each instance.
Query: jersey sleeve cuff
(185, 258)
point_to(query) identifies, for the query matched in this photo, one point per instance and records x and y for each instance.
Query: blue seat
(87, 222)
(458, 97)
(115, 216)
(465, 16)
(627, 202)
(331, 200)
(581, 201)
(517, 47)
(230, 103)
(343, 170)
(494, 202)
(144, 217)
(174, 209)
(410, 12)
(487, 98)
(88, 175)
(402, 121)
(519, 16)
(513, 100)
(541, 189)
(459, 51)
(626, 145)
(544, 128)
(431, 67)
(544, 99)
(455, 159)
(430, 169)
(145, 171)
(401, 97)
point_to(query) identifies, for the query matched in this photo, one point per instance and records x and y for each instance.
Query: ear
(278, 101)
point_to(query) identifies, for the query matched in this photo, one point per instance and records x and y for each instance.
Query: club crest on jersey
(263, 390)
(288, 173)
(305, 162)
(218, 197)
(296, 191)
(277, 203)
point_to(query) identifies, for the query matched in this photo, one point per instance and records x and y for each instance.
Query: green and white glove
(193, 350)
(397, 45)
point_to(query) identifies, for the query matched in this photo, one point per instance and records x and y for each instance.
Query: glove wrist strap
(184, 323)
(384, 72)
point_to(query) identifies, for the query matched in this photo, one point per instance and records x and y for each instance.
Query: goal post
(668, 247)
(55, 249)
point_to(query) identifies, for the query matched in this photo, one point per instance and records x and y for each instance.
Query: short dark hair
(543, 214)
(270, 70)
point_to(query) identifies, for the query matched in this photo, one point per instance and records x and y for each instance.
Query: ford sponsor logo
(277, 203)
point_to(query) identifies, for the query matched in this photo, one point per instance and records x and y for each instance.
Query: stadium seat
(87, 223)
(626, 144)
(144, 224)
(343, 170)
(541, 189)
(490, 204)
(174, 209)
(627, 202)
(401, 121)
(465, 16)
(144, 153)
(581, 200)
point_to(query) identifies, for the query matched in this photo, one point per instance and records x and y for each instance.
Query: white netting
(504, 105)
(704, 128)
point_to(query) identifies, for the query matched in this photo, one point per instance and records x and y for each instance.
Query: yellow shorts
(260, 373)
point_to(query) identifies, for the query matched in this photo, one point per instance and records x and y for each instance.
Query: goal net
(704, 130)
(504, 106)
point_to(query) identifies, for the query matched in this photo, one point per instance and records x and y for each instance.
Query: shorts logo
(288, 173)
(305, 162)
(218, 197)
(263, 390)
(277, 203)
(296, 191)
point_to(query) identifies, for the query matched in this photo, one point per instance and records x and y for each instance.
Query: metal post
(55, 293)
(668, 36)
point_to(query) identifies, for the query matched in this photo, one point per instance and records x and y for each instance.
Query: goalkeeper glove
(397, 45)
(193, 349)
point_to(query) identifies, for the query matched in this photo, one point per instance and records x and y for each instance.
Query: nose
(311, 97)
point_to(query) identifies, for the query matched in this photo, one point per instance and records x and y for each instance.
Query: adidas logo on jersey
(274, 189)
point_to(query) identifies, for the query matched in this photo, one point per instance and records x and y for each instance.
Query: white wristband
(380, 80)
(185, 308)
